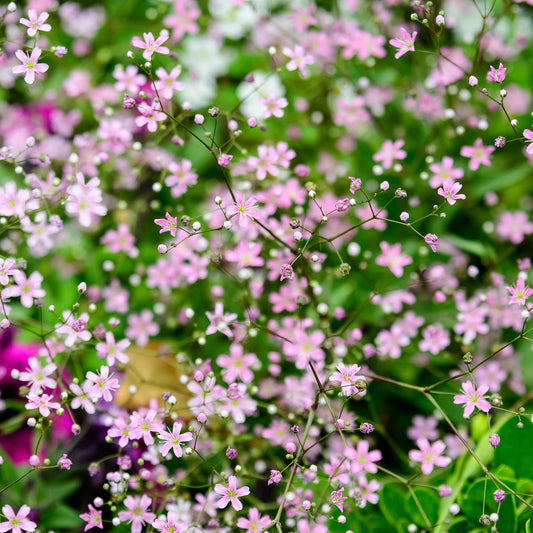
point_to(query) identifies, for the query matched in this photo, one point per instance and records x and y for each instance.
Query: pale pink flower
(150, 45)
(168, 223)
(363, 459)
(26, 288)
(255, 523)
(299, 59)
(42, 402)
(391, 257)
(478, 154)
(405, 44)
(17, 522)
(430, 455)
(472, 398)
(432, 241)
(231, 494)
(7, 268)
(29, 65)
(219, 321)
(137, 512)
(35, 23)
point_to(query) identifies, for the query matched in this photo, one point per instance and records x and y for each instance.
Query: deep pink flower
(449, 190)
(519, 292)
(93, 518)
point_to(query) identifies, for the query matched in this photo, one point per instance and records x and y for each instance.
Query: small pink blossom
(231, 494)
(137, 512)
(93, 518)
(150, 45)
(29, 65)
(496, 75)
(174, 439)
(472, 398)
(245, 209)
(35, 23)
(528, 134)
(299, 59)
(17, 522)
(478, 154)
(168, 223)
(430, 455)
(405, 44)
(391, 257)
(519, 292)
(449, 191)
(432, 241)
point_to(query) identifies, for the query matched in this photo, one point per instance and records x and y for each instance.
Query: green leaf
(528, 528)
(429, 501)
(472, 247)
(60, 517)
(515, 448)
(392, 503)
(58, 490)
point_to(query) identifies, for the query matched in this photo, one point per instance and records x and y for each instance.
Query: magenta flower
(287, 272)
(430, 455)
(519, 292)
(472, 398)
(449, 190)
(17, 522)
(150, 45)
(405, 44)
(29, 65)
(231, 494)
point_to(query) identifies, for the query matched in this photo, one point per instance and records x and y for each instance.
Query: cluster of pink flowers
(227, 283)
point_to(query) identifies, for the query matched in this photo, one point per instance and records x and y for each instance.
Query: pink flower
(42, 402)
(170, 524)
(255, 523)
(35, 23)
(174, 440)
(449, 190)
(103, 384)
(168, 224)
(389, 152)
(287, 272)
(273, 106)
(496, 75)
(93, 518)
(478, 154)
(472, 398)
(7, 268)
(150, 45)
(299, 59)
(231, 494)
(391, 257)
(528, 134)
(245, 209)
(29, 65)
(362, 459)
(219, 321)
(429, 455)
(405, 44)
(17, 522)
(432, 241)
(337, 499)
(137, 512)
(224, 160)
(355, 184)
(26, 288)
(519, 293)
